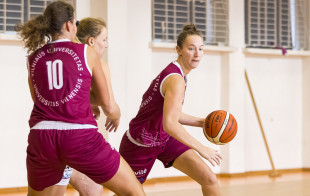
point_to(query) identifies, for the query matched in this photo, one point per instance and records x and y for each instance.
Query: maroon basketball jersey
(146, 129)
(61, 81)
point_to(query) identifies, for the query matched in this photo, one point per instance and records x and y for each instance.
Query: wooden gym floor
(288, 184)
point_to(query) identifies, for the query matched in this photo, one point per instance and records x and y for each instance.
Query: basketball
(220, 127)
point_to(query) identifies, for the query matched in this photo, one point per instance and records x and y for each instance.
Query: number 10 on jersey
(55, 74)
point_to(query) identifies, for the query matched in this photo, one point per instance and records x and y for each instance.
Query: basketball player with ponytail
(63, 130)
(157, 132)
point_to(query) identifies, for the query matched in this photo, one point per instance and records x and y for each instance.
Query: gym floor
(288, 184)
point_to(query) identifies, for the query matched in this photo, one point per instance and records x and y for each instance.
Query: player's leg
(89, 153)
(141, 159)
(124, 182)
(58, 190)
(44, 169)
(84, 185)
(193, 165)
(183, 158)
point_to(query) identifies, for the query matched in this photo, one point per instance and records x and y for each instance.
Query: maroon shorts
(141, 159)
(49, 151)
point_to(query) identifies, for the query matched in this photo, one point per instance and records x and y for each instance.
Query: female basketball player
(157, 132)
(63, 129)
(93, 31)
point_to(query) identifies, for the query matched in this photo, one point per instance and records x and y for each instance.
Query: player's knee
(136, 192)
(210, 180)
(98, 191)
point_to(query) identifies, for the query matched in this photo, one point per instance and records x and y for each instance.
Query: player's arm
(31, 88)
(110, 125)
(99, 87)
(186, 119)
(173, 90)
(30, 85)
(106, 71)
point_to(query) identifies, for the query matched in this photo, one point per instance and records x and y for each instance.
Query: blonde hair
(89, 27)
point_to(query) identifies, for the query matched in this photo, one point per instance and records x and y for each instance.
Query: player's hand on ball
(220, 127)
(213, 156)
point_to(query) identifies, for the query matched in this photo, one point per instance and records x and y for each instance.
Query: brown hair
(41, 29)
(188, 30)
(89, 27)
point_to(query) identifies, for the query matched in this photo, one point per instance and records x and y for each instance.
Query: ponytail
(38, 31)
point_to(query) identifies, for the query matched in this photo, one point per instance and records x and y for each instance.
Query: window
(19, 11)
(209, 16)
(300, 24)
(276, 24)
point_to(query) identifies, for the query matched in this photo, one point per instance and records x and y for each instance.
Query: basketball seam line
(230, 129)
(223, 126)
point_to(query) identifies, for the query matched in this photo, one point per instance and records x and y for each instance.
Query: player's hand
(111, 124)
(213, 156)
(96, 111)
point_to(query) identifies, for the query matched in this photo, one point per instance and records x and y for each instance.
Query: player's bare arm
(100, 92)
(173, 90)
(186, 119)
(110, 124)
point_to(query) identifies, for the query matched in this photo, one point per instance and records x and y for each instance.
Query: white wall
(233, 89)
(305, 112)
(280, 85)
(83, 8)
(117, 60)
(15, 104)
(277, 86)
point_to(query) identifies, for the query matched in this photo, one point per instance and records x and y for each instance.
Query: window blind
(19, 11)
(300, 24)
(209, 16)
(277, 24)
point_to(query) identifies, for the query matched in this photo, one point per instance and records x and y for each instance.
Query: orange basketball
(220, 127)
